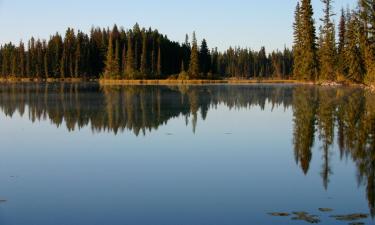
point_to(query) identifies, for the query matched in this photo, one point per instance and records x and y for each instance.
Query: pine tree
(159, 64)
(194, 59)
(63, 65)
(123, 63)
(328, 44)
(28, 66)
(46, 70)
(204, 59)
(111, 65)
(130, 63)
(13, 65)
(77, 59)
(144, 70)
(39, 60)
(22, 59)
(354, 59)
(309, 63)
(341, 44)
(367, 36)
(117, 60)
(297, 45)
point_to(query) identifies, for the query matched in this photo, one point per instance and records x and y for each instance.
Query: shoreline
(159, 81)
(370, 87)
(197, 82)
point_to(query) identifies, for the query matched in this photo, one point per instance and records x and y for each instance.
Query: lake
(85, 154)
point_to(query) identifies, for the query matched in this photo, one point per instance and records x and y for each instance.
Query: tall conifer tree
(297, 44)
(309, 62)
(144, 70)
(328, 44)
(194, 59)
(111, 65)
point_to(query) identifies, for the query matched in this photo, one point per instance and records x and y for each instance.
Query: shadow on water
(344, 114)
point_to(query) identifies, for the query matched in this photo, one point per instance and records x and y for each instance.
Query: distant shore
(180, 82)
(173, 81)
(161, 81)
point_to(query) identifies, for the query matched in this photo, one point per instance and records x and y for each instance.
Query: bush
(183, 76)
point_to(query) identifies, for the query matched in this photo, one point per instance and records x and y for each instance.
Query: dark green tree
(309, 62)
(159, 64)
(194, 59)
(144, 63)
(111, 66)
(341, 45)
(297, 44)
(130, 63)
(354, 58)
(204, 59)
(328, 44)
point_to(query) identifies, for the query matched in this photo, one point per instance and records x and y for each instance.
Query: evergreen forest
(331, 52)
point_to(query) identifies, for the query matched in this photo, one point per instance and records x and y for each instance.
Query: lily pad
(325, 210)
(282, 214)
(350, 217)
(359, 223)
(304, 216)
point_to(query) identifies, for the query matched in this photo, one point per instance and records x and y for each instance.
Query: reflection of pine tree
(325, 116)
(304, 111)
(364, 153)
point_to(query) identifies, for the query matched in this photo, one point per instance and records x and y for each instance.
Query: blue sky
(246, 23)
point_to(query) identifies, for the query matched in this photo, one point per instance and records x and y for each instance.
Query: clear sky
(245, 23)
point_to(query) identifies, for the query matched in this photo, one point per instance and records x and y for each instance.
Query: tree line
(136, 53)
(347, 56)
(342, 52)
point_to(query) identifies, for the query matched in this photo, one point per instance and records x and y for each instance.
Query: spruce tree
(297, 44)
(159, 64)
(367, 36)
(77, 60)
(123, 63)
(63, 65)
(354, 59)
(130, 63)
(22, 59)
(111, 65)
(194, 59)
(28, 66)
(204, 59)
(45, 63)
(309, 62)
(341, 45)
(328, 44)
(13, 65)
(117, 60)
(144, 70)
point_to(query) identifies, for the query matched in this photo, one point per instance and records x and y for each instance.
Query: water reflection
(134, 108)
(326, 116)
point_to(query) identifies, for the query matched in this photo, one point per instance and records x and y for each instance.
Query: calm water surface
(81, 154)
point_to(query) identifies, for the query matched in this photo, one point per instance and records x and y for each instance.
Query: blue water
(221, 155)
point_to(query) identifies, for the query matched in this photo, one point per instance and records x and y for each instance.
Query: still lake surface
(84, 154)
